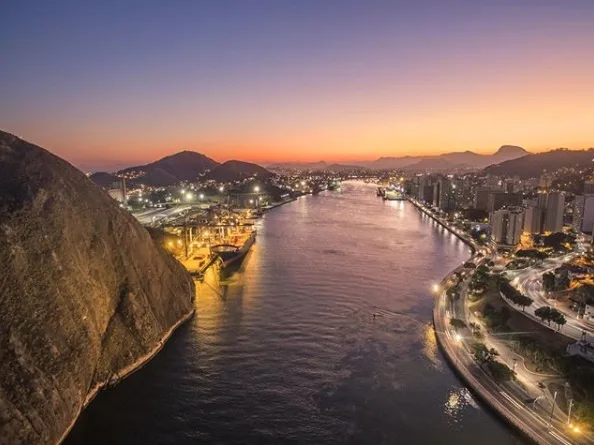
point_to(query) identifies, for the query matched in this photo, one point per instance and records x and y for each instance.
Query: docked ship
(394, 195)
(235, 250)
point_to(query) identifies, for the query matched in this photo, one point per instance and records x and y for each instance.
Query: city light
(458, 337)
(435, 288)
(201, 196)
(221, 189)
(189, 196)
(257, 188)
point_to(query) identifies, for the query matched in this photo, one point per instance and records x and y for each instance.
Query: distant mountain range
(466, 159)
(532, 166)
(182, 166)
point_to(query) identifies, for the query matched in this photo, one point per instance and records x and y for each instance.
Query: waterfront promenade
(505, 403)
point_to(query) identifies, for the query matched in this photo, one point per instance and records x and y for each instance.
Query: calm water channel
(286, 351)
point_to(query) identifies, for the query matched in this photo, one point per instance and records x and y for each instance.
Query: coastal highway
(529, 282)
(507, 401)
(503, 400)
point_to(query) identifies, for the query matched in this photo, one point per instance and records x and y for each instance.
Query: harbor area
(200, 238)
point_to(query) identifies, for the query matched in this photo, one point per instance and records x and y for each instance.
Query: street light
(201, 196)
(435, 288)
(221, 189)
(458, 337)
(257, 188)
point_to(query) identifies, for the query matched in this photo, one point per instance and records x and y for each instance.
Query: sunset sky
(112, 83)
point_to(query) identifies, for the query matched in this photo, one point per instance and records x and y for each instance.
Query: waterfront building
(507, 225)
(425, 189)
(449, 194)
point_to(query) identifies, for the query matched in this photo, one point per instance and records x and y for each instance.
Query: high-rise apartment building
(553, 221)
(507, 225)
(583, 214)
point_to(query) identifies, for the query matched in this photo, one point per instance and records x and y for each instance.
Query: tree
(500, 372)
(523, 301)
(548, 281)
(558, 318)
(482, 354)
(456, 323)
(544, 313)
(561, 321)
(556, 240)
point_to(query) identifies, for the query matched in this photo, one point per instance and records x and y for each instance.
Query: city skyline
(120, 85)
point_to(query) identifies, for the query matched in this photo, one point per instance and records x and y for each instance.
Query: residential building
(583, 213)
(481, 197)
(533, 219)
(546, 181)
(507, 225)
(555, 209)
(446, 194)
(500, 199)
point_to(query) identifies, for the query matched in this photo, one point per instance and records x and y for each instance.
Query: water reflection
(459, 400)
(288, 351)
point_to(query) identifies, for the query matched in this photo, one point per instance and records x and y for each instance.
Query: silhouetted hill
(237, 170)
(343, 167)
(104, 179)
(86, 296)
(182, 166)
(465, 159)
(298, 166)
(436, 163)
(531, 166)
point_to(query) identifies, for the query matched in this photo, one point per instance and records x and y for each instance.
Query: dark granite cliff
(85, 295)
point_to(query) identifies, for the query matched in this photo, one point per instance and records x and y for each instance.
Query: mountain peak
(511, 150)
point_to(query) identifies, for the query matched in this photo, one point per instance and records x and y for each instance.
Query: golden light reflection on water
(457, 401)
(430, 348)
(224, 297)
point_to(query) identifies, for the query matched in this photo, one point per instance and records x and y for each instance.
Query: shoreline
(127, 371)
(445, 347)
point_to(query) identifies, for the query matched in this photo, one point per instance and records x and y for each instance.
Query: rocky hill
(237, 170)
(533, 165)
(85, 294)
(182, 166)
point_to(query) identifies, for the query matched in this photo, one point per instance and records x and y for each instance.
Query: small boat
(380, 192)
(393, 195)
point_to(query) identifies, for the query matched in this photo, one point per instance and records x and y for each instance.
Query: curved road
(532, 423)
